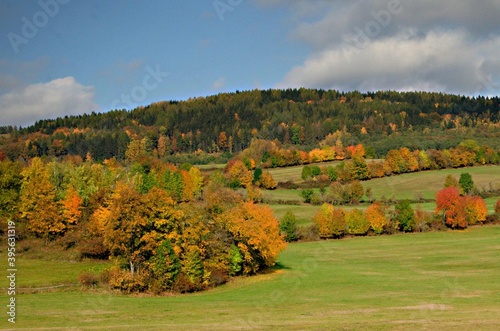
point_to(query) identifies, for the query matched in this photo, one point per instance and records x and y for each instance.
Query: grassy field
(446, 281)
(408, 186)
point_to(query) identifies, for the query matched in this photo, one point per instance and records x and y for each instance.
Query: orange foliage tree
(256, 233)
(460, 211)
(72, 206)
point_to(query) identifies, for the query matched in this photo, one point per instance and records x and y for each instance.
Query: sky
(69, 57)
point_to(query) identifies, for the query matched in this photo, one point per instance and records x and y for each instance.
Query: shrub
(308, 233)
(306, 194)
(423, 220)
(306, 172)
(88, 279)
(316, 199)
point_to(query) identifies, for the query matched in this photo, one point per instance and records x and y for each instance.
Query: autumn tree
(256, 233)
(375, 215)
(460, 211)
(267, 181)
(450, 181)
(323, 221)
(38, 205)
(72, 206)
(238, 174)
(357, 223)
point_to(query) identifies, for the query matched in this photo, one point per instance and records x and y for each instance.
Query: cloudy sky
(63, 57)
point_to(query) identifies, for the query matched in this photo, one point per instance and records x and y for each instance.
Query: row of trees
(168, 228)
(457, 207)
(354, 166)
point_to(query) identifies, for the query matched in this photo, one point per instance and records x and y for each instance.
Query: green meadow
(428, 281)
(411, 186)
(441, 280)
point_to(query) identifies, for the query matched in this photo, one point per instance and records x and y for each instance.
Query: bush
(308, 233)
(316, 199)
(306, 194)
(88, 279)
(423, 220)
(306, 172)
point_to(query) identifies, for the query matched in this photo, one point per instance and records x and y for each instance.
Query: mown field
(411, 186)
(430, 281)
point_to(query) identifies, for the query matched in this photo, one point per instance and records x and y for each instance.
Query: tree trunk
(131, 268)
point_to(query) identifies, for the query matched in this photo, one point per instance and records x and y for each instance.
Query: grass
(446, 281)
(423, 184)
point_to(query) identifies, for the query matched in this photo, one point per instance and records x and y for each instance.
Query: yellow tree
(375, 215)
(197, 179)
(38, 206)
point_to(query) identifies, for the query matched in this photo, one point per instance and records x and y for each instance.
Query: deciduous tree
(38, 206)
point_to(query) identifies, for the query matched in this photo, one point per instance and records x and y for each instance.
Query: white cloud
(59, 97)
(449, 46)
(440, 61)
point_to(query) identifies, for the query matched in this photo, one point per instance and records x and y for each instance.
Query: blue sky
(63, 57)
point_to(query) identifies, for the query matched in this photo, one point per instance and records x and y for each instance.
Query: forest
(208, 129)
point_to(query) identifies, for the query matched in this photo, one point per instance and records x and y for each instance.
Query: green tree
(306, 172)
(235, 261)
(165, 265)
(405, 216)
(466, 183)
(10, 186)
(288, 226)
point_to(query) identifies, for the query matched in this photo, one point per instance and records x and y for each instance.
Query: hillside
(226, 123)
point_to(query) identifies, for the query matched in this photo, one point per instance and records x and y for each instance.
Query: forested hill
(228, 122)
